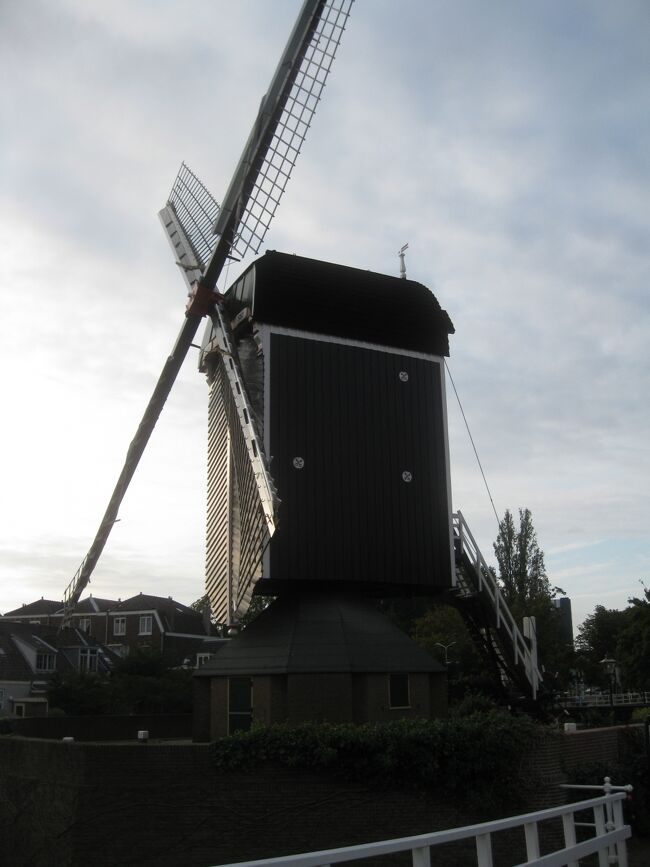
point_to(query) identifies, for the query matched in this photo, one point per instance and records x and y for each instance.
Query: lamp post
(610, 667)
(445, 647)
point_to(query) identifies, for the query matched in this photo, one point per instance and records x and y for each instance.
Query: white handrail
(421, 844)
(487, 583)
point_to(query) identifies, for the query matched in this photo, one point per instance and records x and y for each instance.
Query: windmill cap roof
(325, 298)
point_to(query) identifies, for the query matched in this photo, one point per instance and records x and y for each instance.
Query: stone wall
(163, 804)
(96, 728)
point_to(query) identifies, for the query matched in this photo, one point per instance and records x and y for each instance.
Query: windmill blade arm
(287, 107)
(135, 451)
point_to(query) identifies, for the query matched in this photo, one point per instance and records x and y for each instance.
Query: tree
(522, 571)
(633, 646)
(258, 604)
(529, 593)
(442, 632)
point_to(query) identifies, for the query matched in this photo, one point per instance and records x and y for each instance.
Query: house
(316, 658)
(159, 623)
(30, 653)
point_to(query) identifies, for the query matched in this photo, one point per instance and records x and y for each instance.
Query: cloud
(509, 145)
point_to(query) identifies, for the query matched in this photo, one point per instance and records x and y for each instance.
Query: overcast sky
(508, 143)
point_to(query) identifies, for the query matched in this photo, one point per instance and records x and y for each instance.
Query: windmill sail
(241, 222)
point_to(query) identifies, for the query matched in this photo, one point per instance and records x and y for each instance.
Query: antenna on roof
(402, 266)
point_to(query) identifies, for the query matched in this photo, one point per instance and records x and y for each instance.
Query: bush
(468, 758)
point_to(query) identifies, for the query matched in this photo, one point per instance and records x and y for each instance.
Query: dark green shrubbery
(477, 757)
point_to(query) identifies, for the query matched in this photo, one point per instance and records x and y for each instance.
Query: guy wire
(471, 439)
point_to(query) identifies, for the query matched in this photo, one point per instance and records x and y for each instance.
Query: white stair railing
(488, 588)
(420, 846)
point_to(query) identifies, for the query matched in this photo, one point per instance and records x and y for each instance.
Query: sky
(507, 143)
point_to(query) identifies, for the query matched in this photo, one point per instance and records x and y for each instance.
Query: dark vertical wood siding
(348, 515)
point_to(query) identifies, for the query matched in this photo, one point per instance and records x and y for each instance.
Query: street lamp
(609, 665)
(445, 647)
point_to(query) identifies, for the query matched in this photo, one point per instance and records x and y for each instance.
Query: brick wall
(162, 804)
(96, 728)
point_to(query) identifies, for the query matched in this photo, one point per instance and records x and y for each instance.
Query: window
(201, 658)
(84, 624)
(2, 699)
(119, 626)
(146, 622)
(398, 690)
(88, 659)
(19, 709)
(45, 662)
(240, 704)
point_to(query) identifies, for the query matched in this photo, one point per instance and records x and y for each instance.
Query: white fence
(603, 699)
(608, 833)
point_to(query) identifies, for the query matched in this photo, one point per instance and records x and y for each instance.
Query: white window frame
(145, 624)
(85, 624)
(202, 658)
(90, 655)
(49, 659)
(119, 626)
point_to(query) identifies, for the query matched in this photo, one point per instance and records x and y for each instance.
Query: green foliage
(625, 635)
(258, 604)
(467, 757)
(521, 563)
(140, 683)
(529, 593)
(80, 694)
(142, 661)
(442, 626)
(633, 647)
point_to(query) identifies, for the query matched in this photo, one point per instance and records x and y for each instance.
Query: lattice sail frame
(267, 161)
(196, 209)
(291, 130)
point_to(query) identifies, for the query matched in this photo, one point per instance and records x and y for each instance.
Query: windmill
(372, 514)
(205, 235)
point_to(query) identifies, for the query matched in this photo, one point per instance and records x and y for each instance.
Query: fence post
(568, 824)
(620, 848)
(601, 830)
(484, 850)
(421, 857)
(532, 840)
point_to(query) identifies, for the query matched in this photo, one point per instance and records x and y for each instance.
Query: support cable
(471, 439)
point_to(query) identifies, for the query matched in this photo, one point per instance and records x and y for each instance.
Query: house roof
(315, 633)
(93, 604)
(46, 639)
(40, 607)
(175, 616)
(13, 665)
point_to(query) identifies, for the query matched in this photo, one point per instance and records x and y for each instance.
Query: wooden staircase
(479, 600)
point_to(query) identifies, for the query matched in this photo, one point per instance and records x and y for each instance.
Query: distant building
(181, 634)
(563, 605)
(30, 653)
